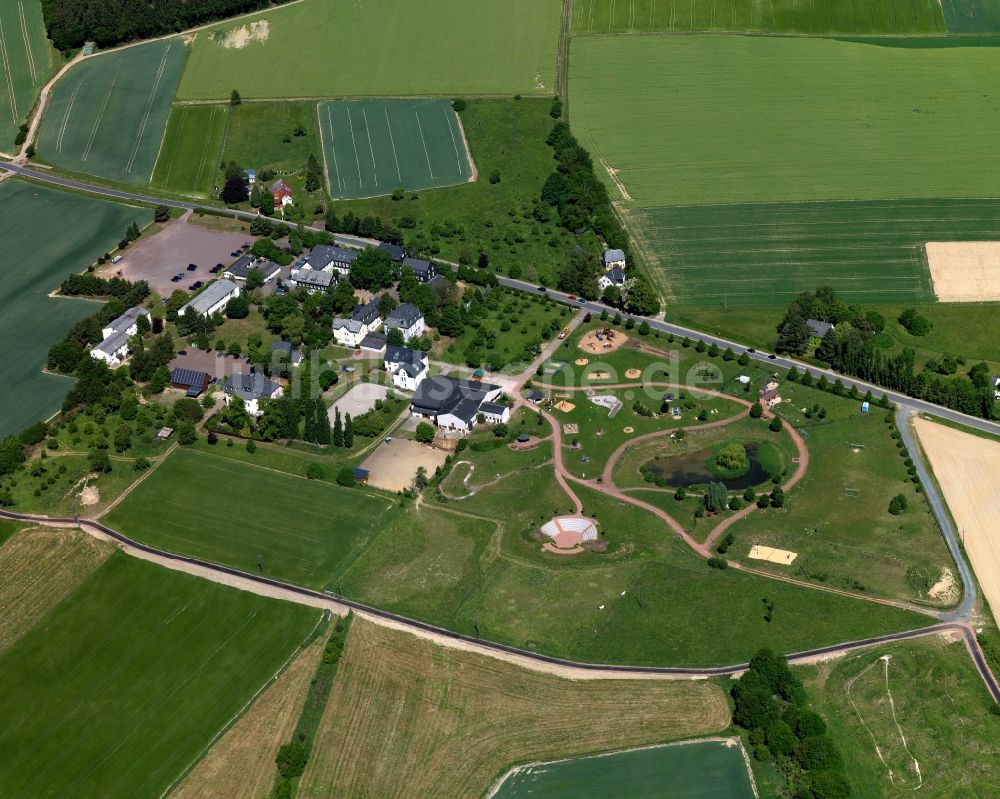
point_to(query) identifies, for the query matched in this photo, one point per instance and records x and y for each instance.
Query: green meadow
(121, 687)
(972, 16)
(189, 158)
(26, 61)
(726, 119)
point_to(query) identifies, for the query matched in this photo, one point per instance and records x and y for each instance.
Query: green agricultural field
(35, 265)
(340, 48)
(26, 61)
(712, 119)
(972, 16)
(373, 147)
(107, 116)
(263, 136)
(783, 16)
(938, 704)
(304, 530)
(704, 770)
(119, 689)
(189, 158)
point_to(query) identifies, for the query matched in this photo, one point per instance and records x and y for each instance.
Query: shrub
(897, 504)
(315, 472)
(756, 410)
(718, 563)
(291, 760)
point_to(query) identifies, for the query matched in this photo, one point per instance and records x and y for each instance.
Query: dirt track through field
(967, 468)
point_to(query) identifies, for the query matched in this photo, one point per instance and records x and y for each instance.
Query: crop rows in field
(972, 16)
(764, 254)
(189, 156)
(778, 16)
(25, 63)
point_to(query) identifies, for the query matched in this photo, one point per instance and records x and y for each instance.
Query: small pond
(692, 469)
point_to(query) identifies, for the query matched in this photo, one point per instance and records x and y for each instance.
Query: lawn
(107, 116)
(424, 720)
(35, 265)
(690, 771)
(301, 531)
(503, 219)
(116, 691)
(728, 119)
(276, 136)
(972, 16)
(940, 706)
(385, 47)
(373, 147)
(26, 61)
(782, 16)
(189, 159)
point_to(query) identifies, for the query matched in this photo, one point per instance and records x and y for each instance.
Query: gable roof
(293, 352)
(404, 316)
(322, 255)
(396, 251)
(112, 343)
(213, 293)
(419, 267)
(189, 378)
(818, 328)
(366, 313)
(313, 277)
(443, 394)
(494, 408)
(404, 355)
(610, 256)
(353, 325)
(127, 319)
(250, 387)
(280, 185)
(241, 267)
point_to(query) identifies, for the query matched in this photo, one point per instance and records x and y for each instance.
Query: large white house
(407, 367)
(213, 299)
(350, 332)
(408, 319)
(113, 350)
(613, 277)
(251, 389)
(330, 258)
(455, 404)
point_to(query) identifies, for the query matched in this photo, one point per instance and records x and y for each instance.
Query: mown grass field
(409, 718)
(783, 16)
(941, 708)
(373, 147)
(26, 61)
(689, 771)
(304, 530)
(33, 266)
(262, 136)
(713, 118)
(189, 158)
(107, 116)
(117, 690)
(385, 47)
(972, 16)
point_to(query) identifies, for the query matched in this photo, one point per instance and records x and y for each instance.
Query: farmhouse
(193, 383)
(453, 403)
(365, 319)
(407, 367)
(424, 270)
(281, 192)
(213, 299)
(113, 350)
(241, 267)
(305, 277)
(614, 259)
(408, 319)
(396, 251)
(327, 258)
(613, 277)
(251, 389)
(818, 328)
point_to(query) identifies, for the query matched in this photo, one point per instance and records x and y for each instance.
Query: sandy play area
(772, 555)
(633, 374)
(967, 468)
(965, 271)
(393, 465)
(564, 406)
(597, 342)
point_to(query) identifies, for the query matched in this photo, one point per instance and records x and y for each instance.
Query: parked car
(751, 350)
(196, 285)
(175, 279)
(118, 259)
(772, 356)
(216, 269)
(192, 267)
(571, 297)
(542, 289)
(235, 253)
(246, 245)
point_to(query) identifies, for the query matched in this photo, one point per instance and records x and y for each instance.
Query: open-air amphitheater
(568, 534)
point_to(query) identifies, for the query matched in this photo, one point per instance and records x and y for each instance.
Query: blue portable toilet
(864, 407)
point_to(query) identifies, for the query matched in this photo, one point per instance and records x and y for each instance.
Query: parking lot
(161, 256)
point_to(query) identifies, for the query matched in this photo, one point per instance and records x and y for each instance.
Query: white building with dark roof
(424, 270)
(407, 367)
(818, 328)
(113, 349)
(454, 403)
(365, 319)
(613, 277)
(213, 299)
(614, 259)
(251, 388)
(330, 258)
(408, 319)
(312, 280)
(242, 266)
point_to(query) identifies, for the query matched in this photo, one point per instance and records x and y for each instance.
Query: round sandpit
(633, 374)
(597, 342)
(628, 430)
(582, 361)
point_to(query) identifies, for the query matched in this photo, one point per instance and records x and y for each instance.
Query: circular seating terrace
(568, 533)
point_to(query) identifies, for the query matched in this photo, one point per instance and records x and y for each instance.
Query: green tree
(345, 477)
(898, 505)
(756, 410)
(775, 424)
(161, 214)
(425, 433)
(235, 99)
(123, 437)
(322, 423)
(186, 434)
(99, 461)
(314, 174)
(348, 432)
(338, 429)
(716, 497)
(266, 203)
(255, 279)
(235, 191)
(291, 760)
(315, 471)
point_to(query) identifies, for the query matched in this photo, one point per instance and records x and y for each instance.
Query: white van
(118, 259)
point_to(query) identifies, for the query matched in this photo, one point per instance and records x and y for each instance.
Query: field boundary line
(149, 110)
(204, 150)
(473, 169)
(173, 152)
(65, 121)
(357, 158)
(10, 74)
(27, 42)
(424, 142)
(454, 143)
(101, 111)
(371, 150)
(392, 141)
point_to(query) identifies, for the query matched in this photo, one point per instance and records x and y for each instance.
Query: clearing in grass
(26, 60)
(762, 118)
(457, 719)
(383, 48)
(143, 667)
(189, 158)
(302, 531)
(779, 16)
(107, 115)
(373, 147)
(35, 265)
(691, 770)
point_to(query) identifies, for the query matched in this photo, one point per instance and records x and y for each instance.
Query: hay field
(343, 48)
(717, 118)
(767, 253)
(117, 691)
(107, 115)
(409, 718)
(41, 568)
(241, 762)
(189, 158)
(967, 468)
(372, 147)
(34, 265)
(26, 61)
(779, 16)
(965, 271)
(972, 16)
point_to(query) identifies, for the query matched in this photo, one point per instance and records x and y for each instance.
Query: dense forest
(109, 22)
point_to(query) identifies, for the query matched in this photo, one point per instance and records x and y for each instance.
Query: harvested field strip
(40, 568)
(779, 16)
(716, 118)
(241, 763)
(25, 63)
(409, 718)
(766, 253)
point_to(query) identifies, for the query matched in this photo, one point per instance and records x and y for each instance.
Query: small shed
(524, 438)
(165, 433)
(360, 475)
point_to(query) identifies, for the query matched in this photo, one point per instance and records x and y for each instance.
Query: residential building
(311, 280)
(614, 259)
(368, 314)
(408, 319)
(424, 270)
(536, 397)
(287, 348)
(613, 277)
(495, 412)
(452, 403)
(281, 192)
(127, 323)
(113, 350)
(407, 367)
(396, 251)
(251, 388)
(365, 319)
(241, 267)
(374, 342)
(818, 328)
(213, 299)
(328, 258)
(251, 176)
